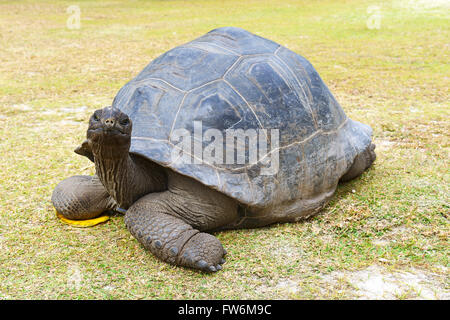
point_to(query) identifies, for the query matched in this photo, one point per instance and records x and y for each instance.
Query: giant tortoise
(230, 130)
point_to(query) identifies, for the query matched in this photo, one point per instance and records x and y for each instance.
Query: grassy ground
(392, 221)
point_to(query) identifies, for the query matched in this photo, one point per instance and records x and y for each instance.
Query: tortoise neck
(127, 177)
(114, 170)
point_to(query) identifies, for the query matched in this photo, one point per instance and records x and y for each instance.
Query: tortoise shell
(231, 79)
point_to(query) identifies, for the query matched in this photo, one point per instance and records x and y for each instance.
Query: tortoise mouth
(112, 137)
(105, 131)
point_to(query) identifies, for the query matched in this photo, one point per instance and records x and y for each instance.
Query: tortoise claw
(202, 264)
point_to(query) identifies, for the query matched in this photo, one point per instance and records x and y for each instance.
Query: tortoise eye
(96, 118)
(124, 122)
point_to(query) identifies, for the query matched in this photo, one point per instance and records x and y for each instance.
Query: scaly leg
(81, 197)
(169, 224)
(362, 162)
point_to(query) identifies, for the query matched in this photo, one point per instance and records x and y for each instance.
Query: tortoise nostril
(109, 122)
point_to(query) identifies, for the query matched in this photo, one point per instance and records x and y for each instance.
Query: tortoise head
(109, 127)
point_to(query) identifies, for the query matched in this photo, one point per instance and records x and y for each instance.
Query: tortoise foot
(204, 252)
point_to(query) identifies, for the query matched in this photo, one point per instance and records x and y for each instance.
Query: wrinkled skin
(169, 214)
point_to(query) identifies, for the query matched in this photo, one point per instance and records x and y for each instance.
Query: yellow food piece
(82, 223)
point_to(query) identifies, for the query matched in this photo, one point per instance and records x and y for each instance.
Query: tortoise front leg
(153, 222)
(81, 197)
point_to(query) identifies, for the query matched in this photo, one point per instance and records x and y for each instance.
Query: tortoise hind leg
(81, 198)
(362, 162)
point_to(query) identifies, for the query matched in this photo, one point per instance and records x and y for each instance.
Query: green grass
(396, 79)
